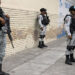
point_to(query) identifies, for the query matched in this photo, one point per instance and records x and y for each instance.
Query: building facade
(24, 25)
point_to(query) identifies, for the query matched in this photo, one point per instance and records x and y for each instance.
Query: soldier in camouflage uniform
(2, 40)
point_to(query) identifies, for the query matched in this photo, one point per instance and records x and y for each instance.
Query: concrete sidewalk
(47, 61)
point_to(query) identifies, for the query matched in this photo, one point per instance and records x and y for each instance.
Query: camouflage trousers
(42, 33)
(70, 45)
(2, 45)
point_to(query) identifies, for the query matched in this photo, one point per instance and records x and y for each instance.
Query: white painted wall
(64, 9)
(35, 5)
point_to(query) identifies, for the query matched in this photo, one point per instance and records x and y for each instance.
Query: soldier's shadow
(36, 31)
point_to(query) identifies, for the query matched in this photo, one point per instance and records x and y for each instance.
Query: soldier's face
(73, 12)
(44, 12)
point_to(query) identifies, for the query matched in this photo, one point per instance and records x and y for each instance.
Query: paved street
(35, 61)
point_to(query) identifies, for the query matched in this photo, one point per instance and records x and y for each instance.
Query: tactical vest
(72, 25)
(1, 15)
(45, 20)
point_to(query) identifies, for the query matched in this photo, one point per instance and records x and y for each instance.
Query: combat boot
(40, 44)
(72, 58)
(68, 60)
(44, 44)
(1, 72)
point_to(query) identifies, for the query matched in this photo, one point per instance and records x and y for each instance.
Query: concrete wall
(33, 5)
(25, 31)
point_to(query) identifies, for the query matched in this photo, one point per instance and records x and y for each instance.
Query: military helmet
(72, 8)
(42, 9)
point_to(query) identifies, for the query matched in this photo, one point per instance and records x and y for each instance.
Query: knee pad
(69, 48)
(44, 36)
(41, 36)
(73, 47)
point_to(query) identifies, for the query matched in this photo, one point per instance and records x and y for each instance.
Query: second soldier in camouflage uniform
(70, 31)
